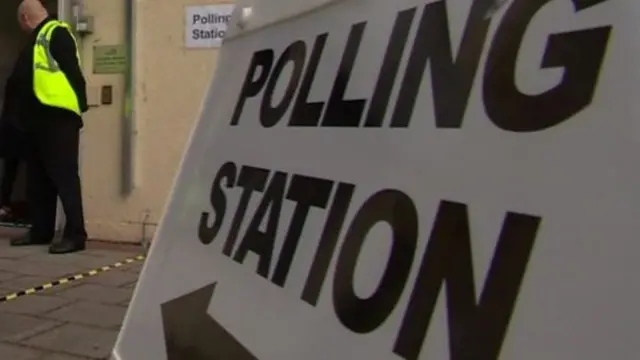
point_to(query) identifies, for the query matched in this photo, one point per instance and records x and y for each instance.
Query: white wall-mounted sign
(206, 25)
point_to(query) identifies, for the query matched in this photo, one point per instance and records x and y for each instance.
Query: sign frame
(114, 58)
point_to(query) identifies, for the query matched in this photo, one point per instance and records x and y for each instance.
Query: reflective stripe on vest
(50, 84)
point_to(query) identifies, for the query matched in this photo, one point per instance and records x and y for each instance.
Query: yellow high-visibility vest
(50, 84)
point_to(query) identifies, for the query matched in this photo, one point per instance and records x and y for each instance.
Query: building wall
(170, 83)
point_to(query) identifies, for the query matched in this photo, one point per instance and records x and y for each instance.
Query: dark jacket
(29, 111)
(12, 139)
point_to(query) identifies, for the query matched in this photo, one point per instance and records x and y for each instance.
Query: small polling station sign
(206, 25)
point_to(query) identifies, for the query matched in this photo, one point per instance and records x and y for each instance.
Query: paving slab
(89, 313)
(131, 286)
(16, 327)
(9, 252)
(22, 282)
(15, 352)
(81, 261)
(108, 254)
(76, 340)
(96, 293)
(7, 275)
(5, 291)
(20, 252)
(61, 288)
(75, 321)
(28, 282)
(54, 356)
(34, 304)
(114, 277)
(38, 268)
(125, 304)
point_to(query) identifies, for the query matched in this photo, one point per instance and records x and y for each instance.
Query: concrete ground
(78, 320)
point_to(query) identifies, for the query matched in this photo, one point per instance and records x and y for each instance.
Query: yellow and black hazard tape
(70, 279)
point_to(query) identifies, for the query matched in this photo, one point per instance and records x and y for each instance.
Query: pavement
(75, 321)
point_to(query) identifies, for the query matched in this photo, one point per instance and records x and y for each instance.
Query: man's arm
(63, 50)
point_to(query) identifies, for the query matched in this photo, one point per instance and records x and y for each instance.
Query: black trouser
(53, 171)
(9, 175)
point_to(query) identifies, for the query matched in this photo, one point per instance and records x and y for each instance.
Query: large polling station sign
(406, 179)
(206, 25)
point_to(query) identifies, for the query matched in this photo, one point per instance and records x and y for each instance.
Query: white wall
(170, 84)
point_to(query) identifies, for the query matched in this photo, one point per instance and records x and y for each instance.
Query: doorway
(12, 40)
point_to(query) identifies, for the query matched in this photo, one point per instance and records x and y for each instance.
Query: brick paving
(75, 321)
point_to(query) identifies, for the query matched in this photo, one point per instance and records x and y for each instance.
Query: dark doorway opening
(12, 40)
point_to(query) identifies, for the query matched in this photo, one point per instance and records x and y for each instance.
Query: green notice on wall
(109, 59)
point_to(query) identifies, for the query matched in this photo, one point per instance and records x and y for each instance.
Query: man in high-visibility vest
(51, 93)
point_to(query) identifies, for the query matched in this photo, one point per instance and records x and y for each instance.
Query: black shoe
(27, 240)
(66, 246)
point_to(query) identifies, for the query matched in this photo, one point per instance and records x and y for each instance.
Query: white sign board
(407, 179)
(206, 25)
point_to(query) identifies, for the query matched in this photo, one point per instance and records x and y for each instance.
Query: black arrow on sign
(192, 334)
